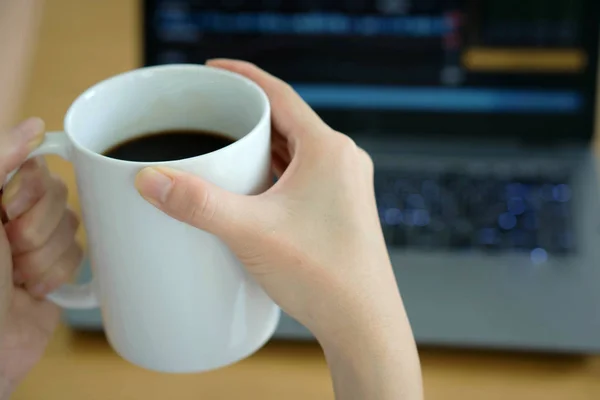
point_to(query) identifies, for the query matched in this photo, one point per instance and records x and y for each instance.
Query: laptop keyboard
(462, 211)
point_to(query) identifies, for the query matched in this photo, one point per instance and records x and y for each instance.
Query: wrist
(374, 356)
(384, 331)
(359, 311)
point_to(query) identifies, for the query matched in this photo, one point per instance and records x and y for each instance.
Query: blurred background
(480, 118)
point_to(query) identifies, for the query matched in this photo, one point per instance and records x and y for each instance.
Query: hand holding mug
(173, 298)
(38, 252)
(172, 295)
(313, 241)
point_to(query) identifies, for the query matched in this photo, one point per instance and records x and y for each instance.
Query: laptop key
(459, 211)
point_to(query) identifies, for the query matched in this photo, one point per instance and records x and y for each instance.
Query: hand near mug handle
(38, 252)
(313, 241)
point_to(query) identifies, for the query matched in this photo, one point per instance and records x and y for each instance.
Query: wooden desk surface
(83, 42)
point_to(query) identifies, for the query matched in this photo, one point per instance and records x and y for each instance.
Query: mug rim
(264, 118)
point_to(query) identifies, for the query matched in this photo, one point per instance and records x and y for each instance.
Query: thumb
(197, 202)
(17, 143)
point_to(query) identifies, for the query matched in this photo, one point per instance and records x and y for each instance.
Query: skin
(37, 246)
(38, 253)
(19, 21)
(313, 241)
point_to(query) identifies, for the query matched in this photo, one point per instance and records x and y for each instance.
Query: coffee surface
(168, 145)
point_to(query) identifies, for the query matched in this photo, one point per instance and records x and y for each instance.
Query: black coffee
(168, 145)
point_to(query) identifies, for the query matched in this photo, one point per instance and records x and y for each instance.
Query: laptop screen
(523, 68)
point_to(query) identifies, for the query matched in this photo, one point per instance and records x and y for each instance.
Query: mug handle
(69, 296)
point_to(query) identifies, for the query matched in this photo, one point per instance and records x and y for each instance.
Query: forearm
(376, 360)
(6, 388)
(18, 27)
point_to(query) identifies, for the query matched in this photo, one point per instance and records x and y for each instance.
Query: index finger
(291, 116)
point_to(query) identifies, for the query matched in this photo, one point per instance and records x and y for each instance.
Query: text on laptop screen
(523, 67)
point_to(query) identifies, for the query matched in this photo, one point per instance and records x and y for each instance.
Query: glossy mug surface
(173, 298)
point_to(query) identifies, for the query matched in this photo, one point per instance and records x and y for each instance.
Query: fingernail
(32, 130)
(35, 143)
(217, 60)
(153, 184)
(38, 290)
(40, 161)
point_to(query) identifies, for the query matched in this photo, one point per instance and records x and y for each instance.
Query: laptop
(479, 116)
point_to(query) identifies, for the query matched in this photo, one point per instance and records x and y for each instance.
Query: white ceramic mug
(173, 298)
